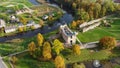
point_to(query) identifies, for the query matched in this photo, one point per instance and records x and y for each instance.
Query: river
(66, 18)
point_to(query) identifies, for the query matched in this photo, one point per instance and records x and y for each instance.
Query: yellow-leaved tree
(76, 49)
(40, 39)
(20, 29)
(57, 46)
(47, 51)
(59, 62)
(74, 24)
(107, 43)
(31, 48)
(14, 59)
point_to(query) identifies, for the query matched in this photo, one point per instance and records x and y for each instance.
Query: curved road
(2, 64)
(66, 18)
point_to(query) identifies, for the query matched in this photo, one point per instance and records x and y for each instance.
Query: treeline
(87, 10)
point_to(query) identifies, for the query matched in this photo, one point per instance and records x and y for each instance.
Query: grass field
(7, 2)
(99, 32)
(6, 49)
(87, 55)
(27, 62)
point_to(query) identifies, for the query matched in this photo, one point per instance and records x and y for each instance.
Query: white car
(45, 17)
(96, 63)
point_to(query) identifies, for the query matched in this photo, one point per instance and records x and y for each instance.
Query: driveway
(2, 64)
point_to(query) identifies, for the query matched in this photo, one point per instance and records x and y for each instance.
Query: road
(2, 64)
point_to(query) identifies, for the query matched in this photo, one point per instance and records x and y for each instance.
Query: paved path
(2, 64)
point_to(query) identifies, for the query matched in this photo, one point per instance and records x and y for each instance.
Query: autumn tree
(81, 65)
(21, 29)
(57, 46)
(41, 22)
(47, 51)
(32, 27)
(40, 39)
(23, 20)
(97, 10)
(107, 43)
(74, 25)
(74, 5)
(103, 11)
(14, 59)
(76, 49)
(59, 62)
(31, 48)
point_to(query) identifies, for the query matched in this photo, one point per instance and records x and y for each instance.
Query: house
(37, 26)
(91, 24)
(30, 23)
(20, 25)
(10, 29)
(2, 23)
(116, 1)
(25, 10)
(67, 34)
(14, 19)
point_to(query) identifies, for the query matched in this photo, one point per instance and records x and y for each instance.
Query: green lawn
(25, 61)
(6, 49)
(86, 55)
(99, 32)
(7, 2)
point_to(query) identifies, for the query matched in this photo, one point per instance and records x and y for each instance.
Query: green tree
(57, 46)
(103, 11)
(74, 5)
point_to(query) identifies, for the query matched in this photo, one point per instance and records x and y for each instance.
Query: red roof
(117, 1)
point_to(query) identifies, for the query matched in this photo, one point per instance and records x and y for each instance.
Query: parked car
(45, 17)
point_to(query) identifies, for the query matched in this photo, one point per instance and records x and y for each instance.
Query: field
(7, 48)
(8, 2)
(99, 32)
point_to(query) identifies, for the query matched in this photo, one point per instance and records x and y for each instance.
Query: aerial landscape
(59, 33)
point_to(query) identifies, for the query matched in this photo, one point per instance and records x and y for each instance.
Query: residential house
(30, 23)
(14, 19)
(25, 10)
(10, 29)
(2, 23)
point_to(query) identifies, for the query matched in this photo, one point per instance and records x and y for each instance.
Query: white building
(22, 11)
(67, 34)
(30, 23)
(14, 19)
(2, 23)
(37, 26)
(10, 29)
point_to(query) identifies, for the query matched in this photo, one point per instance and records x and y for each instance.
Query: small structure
(20, 25)
(30, 23)
(91, 24)
(45, 17)
(10, 29)
(25, 10)
(2, 23)
(67, 34)
(14, 19)
(37, 26)
(96, 63)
